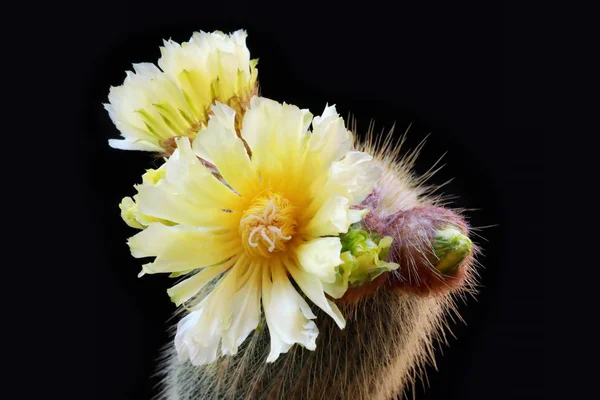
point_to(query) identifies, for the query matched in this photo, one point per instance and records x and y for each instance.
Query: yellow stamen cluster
(268, 224)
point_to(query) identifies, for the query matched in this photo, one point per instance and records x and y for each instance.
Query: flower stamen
(267, 224)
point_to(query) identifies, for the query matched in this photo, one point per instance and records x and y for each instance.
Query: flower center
(267, 224)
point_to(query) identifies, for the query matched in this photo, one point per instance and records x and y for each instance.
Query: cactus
(394, 322)
(249, 197)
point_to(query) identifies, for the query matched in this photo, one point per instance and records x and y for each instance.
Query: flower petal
(189, 287)
(147, 108)
(219, 144)
(133, 144)
(312, 287)
(245, 311)
(184, 343)
(197, 337)
(181, 248)
(189, 193)
(208, 67)
(162, 202)
(227, 316)
(187, 175)
(329, 141)
(129, 212)
(357, 215)
(332, 218)
(319, 257)
(276, 134)
(354, 176)
(287, 313)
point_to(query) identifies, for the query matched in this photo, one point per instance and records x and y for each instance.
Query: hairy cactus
(394, 321)
(261, 215)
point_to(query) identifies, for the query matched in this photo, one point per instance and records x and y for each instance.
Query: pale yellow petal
(148, 108)
(246, 311)
(209, 67)
(129, 213)
(312, 287)
(163, 202)
(357, 215)
(319, 257)
(331, 219)
(226, 316)
(189, 194)
(187, 174)
(219, 144)
(184, 64)
(354, 176)
(189, 287)
(181, 248)
(133, 144)
(287, 313)
(329, 140)
(276, 134)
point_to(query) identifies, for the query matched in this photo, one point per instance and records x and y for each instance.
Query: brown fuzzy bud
(431, 245)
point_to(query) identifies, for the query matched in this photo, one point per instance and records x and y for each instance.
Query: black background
(451, 70)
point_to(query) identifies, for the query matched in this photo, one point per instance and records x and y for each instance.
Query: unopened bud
(451, 247)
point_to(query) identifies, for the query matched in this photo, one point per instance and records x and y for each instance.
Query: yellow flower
(153, 106)
(264, 221)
